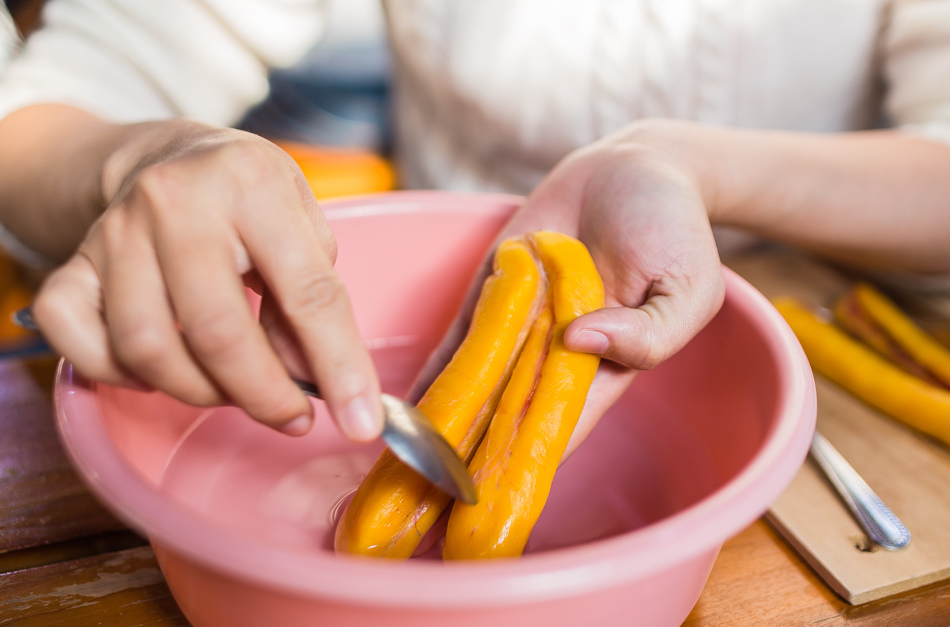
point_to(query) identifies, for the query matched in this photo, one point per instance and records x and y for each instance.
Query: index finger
(298, 271)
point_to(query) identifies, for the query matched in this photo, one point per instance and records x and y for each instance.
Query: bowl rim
(699, 529)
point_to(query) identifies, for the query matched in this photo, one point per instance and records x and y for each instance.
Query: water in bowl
(641, 463)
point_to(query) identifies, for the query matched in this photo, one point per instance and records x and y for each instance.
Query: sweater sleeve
(125, 62)
(916, 48)
(8, 37)
(206, 60)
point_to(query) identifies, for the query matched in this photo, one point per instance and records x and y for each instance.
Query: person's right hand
(155, 295)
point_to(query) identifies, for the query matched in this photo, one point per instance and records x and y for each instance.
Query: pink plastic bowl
(241, 516)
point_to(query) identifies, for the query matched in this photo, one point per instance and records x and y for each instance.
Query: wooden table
(65, 561)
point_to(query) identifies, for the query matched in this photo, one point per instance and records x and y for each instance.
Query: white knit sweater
(492, 93)
(8, 37)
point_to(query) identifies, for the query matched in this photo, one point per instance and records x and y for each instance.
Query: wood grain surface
(122, 588)
(908, 470)
(759, 580)
(41, 499)
(76, 566)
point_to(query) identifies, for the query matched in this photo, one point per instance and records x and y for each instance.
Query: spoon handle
(878, 521)
(308, 388)
(23, 318)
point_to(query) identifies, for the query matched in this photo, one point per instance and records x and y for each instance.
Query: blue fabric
(338, 97)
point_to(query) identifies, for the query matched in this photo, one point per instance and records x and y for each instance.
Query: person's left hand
(642, 215)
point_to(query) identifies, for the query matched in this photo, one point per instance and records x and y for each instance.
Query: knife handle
(878, 521)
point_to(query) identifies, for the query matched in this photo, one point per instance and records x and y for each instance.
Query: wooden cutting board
(909, 471)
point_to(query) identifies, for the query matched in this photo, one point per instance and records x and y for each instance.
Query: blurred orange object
(334, 172)
(14, 295)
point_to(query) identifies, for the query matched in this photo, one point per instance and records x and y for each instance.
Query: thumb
(644, 337)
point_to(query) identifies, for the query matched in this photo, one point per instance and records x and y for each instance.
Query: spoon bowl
(414, 440)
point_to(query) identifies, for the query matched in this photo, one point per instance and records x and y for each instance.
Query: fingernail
(298, 426)
(361, 420)
(587, 341)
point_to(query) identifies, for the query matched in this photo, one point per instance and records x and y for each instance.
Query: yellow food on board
(879, 322)
(867, 374)
(540, 283)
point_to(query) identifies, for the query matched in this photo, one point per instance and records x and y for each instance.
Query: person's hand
(644, 220)
(155, 295)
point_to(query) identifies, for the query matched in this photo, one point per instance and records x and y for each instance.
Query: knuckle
(53, 309)
(155, 196)
(215, 334)
(112, 230)
(95, 370)
(139, 345)
(275, 409)
(50, 306)
(648, 352)
(252, 164)
(317, 292)
(199, 396)
(650, 360)
(156, 182)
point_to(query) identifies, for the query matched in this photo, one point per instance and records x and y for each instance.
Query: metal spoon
(407, 431)
(878, 521)
(413, 439)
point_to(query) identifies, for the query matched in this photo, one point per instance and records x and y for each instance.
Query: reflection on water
(336, 510)
(313, 496)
